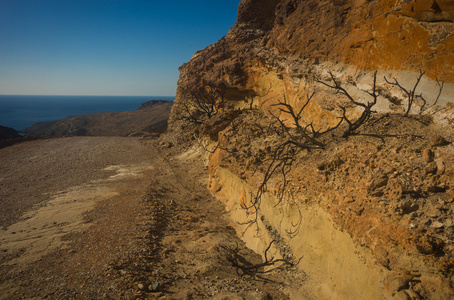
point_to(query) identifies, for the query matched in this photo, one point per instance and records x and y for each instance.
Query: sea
(20, 111)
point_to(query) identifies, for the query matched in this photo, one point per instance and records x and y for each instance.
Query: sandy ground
(117, 218)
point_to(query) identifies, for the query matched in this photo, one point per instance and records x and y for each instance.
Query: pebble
(438, 140)
(428, 155)
(440, 166)
(425, 221)
(431, 168)
(155, 287)
(437, 225)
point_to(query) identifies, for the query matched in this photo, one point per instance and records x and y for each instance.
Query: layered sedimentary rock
(277, 49)
(371, 214)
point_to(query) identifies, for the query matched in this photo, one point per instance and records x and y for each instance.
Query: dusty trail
(32, 171)
(116, 218)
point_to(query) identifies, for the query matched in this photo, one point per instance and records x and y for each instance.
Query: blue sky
(104, 47)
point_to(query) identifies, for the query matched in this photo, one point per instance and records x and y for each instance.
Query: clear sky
(104, 47)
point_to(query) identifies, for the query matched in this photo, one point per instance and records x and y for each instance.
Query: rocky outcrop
(374, 208)
(150, 118)
(277, 48)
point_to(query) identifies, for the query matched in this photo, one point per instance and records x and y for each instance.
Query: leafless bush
(298, 136)
(411, 93)
(281, 159)
(367, 107)
(280, 162)
(245, 268)
(200, 105)
(304, 136)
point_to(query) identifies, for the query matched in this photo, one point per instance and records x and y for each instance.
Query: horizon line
(87, 95)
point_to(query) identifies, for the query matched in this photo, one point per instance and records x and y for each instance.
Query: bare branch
(254, 270)
(440, 89)
(200, 105)
(303, 139)
(367, 107)
(410, 93)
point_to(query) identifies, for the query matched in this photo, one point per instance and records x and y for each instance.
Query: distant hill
(151, 117)
(8, 133)
(153, 103)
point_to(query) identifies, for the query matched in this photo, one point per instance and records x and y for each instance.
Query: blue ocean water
(20, 112)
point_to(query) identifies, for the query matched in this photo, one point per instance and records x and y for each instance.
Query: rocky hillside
(328, 126)
(280, 48)
(151, 117)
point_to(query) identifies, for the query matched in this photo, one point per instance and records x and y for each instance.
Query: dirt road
(116, 218)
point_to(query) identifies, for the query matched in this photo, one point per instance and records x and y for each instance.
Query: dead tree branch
(281, 163)
(295, 226)
(245, 268)
(410, 93)
(305, 136)
(440, 89)
(200, 105)
(367, 107)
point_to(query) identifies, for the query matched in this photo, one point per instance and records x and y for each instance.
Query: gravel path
(31, 171)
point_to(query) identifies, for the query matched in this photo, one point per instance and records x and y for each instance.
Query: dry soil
(118, 218)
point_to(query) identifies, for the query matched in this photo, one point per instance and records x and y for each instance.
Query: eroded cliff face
(277, 48)
(398, 35)
(371, 218)
(388, 34)
(371, 214)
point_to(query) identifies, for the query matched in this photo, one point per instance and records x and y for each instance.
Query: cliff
(278, 48)
(328, 127)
